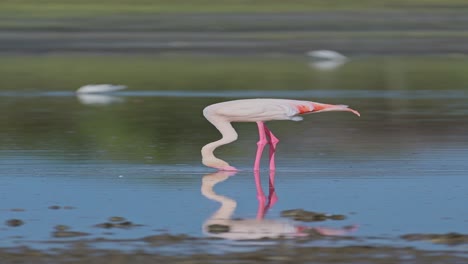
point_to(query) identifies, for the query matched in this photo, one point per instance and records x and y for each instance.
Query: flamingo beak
(318, 107)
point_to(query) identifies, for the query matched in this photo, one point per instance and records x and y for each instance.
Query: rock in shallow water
(65, 234)
(124, 224)
(116, 219)
(448, 239)
(309, 216)
(216, 228)
(14, 222)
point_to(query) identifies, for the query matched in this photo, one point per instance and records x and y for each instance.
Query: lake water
(78, 160)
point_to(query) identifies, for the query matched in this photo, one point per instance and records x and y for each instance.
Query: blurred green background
(57, 8)
(395, 49)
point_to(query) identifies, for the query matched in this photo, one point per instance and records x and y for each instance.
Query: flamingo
(256, 110)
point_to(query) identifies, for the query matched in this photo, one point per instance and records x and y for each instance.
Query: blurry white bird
(98, 99)
(326, 55)
(100, 88)
(326, 65)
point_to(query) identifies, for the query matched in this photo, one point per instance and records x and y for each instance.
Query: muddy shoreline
(281, 253)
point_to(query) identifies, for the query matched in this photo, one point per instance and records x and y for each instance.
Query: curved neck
(228, 135)
(228, 205)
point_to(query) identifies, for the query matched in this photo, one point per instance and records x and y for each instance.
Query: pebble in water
(308, 216)
(14, 222)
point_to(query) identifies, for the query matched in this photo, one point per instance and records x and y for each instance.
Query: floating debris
(65, 234)
(17, 210)
(14, 222)
(337, 217)
(58, 207)
(63, 231)
(165, 239)
(217, 228)
(308, 216)
(448, 239)
(117, 222)
(105, 225)
(116, 219)
(61, 227)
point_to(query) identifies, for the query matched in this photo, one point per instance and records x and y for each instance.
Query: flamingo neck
(228, 135)
(208, 157)
(228, 205)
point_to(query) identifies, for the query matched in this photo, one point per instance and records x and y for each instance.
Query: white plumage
(100, 88)
(326, 55)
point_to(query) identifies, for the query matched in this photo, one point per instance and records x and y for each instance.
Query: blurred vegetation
(59, 8)
(156, 130)
(171, 130)
(68, 73)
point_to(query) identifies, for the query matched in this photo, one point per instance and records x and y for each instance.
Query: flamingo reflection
(221, 224)
(98, 99)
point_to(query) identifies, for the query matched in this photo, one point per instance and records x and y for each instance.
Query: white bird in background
(326, 55)
(98, 99)
(326, 59)
(100, 88)
(256, 110)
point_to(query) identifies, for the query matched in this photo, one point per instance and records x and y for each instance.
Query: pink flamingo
(256, 110)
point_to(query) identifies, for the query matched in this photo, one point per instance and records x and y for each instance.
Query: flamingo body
(256, 110)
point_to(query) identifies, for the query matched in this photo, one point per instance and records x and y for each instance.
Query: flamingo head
(319, 107)
(219, 164)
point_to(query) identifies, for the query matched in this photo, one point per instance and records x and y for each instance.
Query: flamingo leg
(273, 141)
(260, 144)
(263, 205)
(260, 196)
(272, 197)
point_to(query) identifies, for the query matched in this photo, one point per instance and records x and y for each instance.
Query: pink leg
(272, 197)
(273, 141)
(260, 196)
(260, 144)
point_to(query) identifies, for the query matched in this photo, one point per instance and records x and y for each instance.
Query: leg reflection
(265, 204)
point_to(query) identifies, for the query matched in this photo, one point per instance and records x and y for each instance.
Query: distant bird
(256, 110)
(326, 55)
(326, 59)
(100, 88)
(98, 99)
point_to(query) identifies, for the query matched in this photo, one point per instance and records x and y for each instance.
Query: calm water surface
(400, 168)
